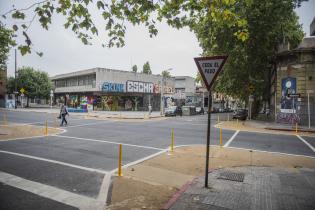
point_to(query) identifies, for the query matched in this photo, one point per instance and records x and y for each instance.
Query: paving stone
(263, 188)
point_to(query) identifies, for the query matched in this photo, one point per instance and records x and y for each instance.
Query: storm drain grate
(232, 176)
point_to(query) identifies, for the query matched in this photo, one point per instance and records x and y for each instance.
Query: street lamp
(162, 91)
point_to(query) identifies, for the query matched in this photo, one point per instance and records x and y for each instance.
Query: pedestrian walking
(63, 113)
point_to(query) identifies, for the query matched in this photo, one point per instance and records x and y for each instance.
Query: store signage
(140, 87)
(167, 89)
(113, 87)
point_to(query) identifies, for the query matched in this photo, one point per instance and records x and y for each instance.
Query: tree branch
(27, 8)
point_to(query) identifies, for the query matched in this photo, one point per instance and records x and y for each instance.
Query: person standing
(63, 113)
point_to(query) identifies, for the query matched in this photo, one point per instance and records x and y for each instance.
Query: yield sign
(209, 68)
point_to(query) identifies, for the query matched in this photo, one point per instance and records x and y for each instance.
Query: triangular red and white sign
(209, 68)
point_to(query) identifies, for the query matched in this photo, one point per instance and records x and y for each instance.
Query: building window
(81, 81)
(60, 83)
(77, 81)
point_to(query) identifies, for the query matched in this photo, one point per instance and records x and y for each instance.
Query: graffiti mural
(288, 86)
(289, 118)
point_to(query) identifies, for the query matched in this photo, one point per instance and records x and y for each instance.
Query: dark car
(173, 111)
(240, 114)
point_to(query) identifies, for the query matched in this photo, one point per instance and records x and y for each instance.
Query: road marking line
(280, 153)
(264, 151)
(56, 162)
(231, 139)
(305, 142)
(81, 125)
(140, 160)
(49, 192)
(108, 142)
(42, 122)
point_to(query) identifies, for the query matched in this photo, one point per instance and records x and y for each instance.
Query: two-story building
(112, 90)
(295, 84)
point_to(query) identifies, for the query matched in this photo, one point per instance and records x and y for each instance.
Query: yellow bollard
(218, 119)
(46, 129)
(236, 122)
(296, 128)
(172, 142)
(221, 137)
(119, 160)
(228, 117)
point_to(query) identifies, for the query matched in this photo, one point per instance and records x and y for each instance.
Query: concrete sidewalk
(266, 127)
(279, 126)
(250, 188)
(95, 114)
(160, 182)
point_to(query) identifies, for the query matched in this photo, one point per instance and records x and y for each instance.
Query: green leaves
(6, 42)
(36, 83)
(24, 49)
(40, 54)
(250, 37)
(18, 15)
(146, 68)
(100, 5)
(116, 13)
(15, 27)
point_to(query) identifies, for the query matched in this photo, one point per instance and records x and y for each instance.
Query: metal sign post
(209, 68)
(208, 139)
(22, 90)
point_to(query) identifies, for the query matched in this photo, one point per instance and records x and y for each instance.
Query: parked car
(240, 114)
(200, 110)
(173, 111)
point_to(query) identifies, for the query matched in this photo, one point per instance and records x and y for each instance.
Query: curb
(177, 195)
(291, 129)
(126, 118)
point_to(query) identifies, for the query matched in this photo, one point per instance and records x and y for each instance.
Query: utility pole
(15, 75)
(162, 100)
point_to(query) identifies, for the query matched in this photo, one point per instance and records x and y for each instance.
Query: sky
(170, 49)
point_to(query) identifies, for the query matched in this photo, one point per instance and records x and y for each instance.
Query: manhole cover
(232, 176)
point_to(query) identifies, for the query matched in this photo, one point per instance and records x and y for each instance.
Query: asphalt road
(70, 169)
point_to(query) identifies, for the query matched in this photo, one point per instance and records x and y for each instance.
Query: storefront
(113, 90)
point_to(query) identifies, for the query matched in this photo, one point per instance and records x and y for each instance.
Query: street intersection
(73, 169)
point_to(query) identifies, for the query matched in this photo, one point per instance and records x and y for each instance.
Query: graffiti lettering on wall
(289, 118)
(140, 87)
(113, 87)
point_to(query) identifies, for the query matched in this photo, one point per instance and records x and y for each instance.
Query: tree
(199, 79)
(36, 83)
(146, 68)
(166, 73)
(251, 60)
(116, 13)
(6, 43)
(135, 68)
